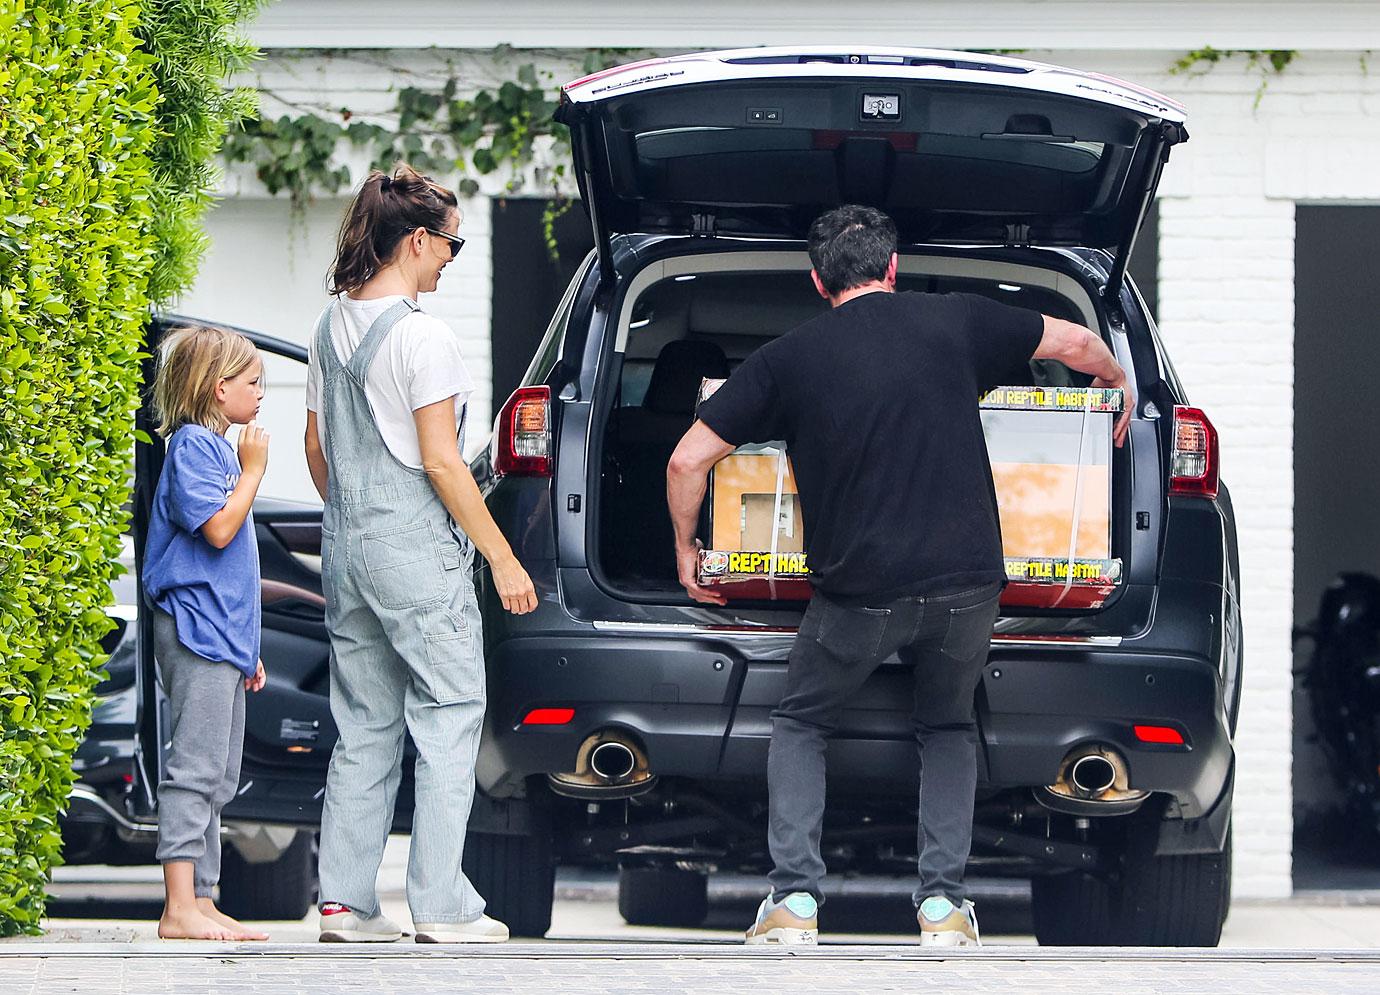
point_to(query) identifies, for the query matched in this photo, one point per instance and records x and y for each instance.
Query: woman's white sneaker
(481, 930)
(341, 924)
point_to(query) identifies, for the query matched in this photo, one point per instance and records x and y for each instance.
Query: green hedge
(196, 47)
(102, 185)
(111, 114)
(77, 119)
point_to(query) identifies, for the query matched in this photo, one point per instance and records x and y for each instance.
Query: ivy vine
(1268, 62)
(437, 131)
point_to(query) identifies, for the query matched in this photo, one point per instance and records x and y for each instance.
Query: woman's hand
(514, 587)
(257, 682)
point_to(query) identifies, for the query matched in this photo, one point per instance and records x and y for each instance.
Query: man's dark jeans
(945, 638)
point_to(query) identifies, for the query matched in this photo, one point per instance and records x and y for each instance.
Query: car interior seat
(636, 534)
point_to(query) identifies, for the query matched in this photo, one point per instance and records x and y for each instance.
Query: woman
(386, 400)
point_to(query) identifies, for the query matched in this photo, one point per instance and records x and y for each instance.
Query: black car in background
(627, 725)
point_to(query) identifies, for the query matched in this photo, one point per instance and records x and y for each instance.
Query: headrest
(743, 307)
(676, 377)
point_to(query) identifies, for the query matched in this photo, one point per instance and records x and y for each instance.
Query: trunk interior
(700, 316)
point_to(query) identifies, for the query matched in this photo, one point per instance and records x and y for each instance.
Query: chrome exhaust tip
(1093, 780)
(608, 764)
(612, 761)
(1092, 774)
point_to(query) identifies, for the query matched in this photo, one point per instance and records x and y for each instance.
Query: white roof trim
(1065, 25)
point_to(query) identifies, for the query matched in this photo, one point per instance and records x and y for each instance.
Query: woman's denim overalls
(406, 652)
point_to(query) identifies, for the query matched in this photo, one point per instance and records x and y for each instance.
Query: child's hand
(257, 682)
(253, 449)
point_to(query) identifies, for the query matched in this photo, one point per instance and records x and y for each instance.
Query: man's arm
(316, 459)
(687, 479)
(1081, 349)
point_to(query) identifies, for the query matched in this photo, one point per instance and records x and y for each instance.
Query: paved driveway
(578, 967)
(1317, 944)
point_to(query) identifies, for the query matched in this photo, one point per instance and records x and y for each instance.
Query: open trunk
(694, 317)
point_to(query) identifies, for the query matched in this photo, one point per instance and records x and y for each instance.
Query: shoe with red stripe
(342, 924)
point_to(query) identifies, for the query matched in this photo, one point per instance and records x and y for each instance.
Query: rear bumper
(701, 708)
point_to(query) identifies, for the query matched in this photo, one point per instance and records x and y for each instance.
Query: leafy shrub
(77, 104)
(111, 114)
(196, 46)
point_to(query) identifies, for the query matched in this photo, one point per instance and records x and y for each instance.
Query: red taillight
(1193, 458)
(1167, 735)
(524, 434)
(548, 716)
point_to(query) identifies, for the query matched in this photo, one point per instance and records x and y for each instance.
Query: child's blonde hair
(195, 360)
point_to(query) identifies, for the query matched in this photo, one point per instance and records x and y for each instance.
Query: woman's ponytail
(386, 209)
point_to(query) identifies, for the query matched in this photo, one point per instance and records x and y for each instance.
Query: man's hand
(687, 479)
(1081, 349)
(1128, 406)
(514, 587)
(257, 682)
(688, 568)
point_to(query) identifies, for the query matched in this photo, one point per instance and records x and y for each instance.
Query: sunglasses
(456, 242)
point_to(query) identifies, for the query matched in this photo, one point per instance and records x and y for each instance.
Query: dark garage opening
(528, 282)
(1336, 492)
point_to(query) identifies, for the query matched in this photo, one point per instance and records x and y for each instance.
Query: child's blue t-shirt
(213, 594)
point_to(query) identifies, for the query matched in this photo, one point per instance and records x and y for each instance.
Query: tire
(517, 877)
(1072, 910)
(282, 889)
(1175, 901)
(1180, 900)
(663, 896)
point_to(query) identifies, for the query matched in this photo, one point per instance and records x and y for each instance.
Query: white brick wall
(266, 269)
(1226, 309)
(1226, 303)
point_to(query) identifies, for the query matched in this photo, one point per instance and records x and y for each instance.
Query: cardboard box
(746, 489)
(743, 498)
(1050, 450)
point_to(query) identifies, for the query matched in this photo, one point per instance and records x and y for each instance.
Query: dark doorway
(1336, 492)
(527, 282)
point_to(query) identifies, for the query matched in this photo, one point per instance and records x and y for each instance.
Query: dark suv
(628, 725)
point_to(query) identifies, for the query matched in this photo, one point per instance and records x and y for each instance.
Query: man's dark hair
(851, 245)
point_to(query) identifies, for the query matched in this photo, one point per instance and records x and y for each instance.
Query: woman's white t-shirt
(419, 363)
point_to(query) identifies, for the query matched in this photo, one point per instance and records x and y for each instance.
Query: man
(877, 402)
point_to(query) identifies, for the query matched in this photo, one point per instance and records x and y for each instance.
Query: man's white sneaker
(341, 924)
(481, 930)
(793, 921)
(943, 924)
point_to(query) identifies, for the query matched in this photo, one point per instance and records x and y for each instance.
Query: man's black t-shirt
(877, 401)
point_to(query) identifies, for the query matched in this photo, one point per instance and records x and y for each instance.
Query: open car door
(288, 728)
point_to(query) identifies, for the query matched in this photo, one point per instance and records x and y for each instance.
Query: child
(201, 570)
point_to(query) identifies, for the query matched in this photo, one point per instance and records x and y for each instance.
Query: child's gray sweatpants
(203, 768)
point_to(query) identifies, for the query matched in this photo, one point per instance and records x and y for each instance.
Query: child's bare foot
(208, 908)
(191, 924)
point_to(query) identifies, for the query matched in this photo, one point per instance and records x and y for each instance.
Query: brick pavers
(665, 968)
